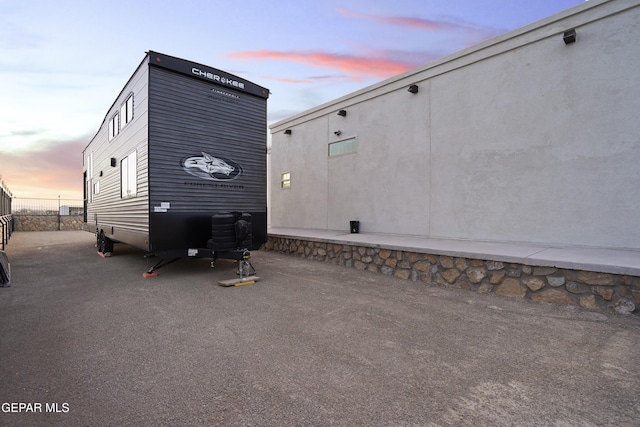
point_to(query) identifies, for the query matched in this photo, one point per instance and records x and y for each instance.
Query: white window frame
(89, 184)
(129, 176)
(342, 147)
(126, 111)
(285, 180)
(114, 126)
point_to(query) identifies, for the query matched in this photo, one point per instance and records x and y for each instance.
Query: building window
(285, 180)
(340, 148)
(114, 127)
(129, 176)
(126, 111)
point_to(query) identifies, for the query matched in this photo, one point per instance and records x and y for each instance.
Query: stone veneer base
(47, 222)
(591, 290)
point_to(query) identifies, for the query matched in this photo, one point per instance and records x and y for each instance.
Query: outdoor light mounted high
(569, 36)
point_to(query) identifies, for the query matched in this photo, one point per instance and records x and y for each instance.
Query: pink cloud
(401, 21)
(476, 33)
(288, 80)
(330, 77)
(310, 79)
(357, 67)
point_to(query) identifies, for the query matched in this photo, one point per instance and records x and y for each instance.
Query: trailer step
(250, 280)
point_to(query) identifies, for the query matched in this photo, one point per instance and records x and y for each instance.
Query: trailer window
(89, 176)
(128, 176)
(126, 111)
(114, 126)
(285, 180)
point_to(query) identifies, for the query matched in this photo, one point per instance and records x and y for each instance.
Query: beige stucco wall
(521, 138)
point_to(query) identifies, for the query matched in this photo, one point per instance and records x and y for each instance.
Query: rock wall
(591, 290)
(47, 222)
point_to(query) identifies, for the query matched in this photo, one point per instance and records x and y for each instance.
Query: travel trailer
(178, 167)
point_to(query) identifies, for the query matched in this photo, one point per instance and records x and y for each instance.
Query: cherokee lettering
(216, 78)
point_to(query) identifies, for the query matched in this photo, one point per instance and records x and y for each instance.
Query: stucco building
(530, 137)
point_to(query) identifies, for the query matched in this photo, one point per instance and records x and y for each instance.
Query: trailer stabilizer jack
(152, 271)
(245, 271)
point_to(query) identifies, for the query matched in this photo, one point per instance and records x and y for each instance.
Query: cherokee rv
(178, 166)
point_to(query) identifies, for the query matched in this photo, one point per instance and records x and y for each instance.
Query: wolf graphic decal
(211, 167)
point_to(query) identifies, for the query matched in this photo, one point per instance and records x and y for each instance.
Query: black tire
(223, 233)
(101, 242)
(105, 244)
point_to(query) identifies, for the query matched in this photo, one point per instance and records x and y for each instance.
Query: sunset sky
(63, 62)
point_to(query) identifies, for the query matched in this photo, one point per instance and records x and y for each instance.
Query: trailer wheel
(108, 245)
(101, 242)
(105, 244)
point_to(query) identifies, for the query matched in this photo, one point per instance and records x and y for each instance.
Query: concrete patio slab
(606, 260)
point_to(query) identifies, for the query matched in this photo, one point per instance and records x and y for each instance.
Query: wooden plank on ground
(249, 280)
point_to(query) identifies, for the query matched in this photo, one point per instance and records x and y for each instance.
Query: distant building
(532, 137)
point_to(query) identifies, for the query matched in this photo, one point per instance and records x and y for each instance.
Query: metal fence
(47, 214)
(48, 207)
(5, 200)
(6, 220)
(24, 214)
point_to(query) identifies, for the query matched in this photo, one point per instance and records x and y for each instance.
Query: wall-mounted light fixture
(338, 133)
(342, 113)
(413, 89)
(569, 36)
(113, 162)
(287, 132)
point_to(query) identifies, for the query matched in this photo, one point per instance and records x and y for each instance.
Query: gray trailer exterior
(182, 142)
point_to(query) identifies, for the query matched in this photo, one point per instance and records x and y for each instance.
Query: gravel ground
(87, 341)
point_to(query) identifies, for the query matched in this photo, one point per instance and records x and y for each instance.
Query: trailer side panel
(121, 217)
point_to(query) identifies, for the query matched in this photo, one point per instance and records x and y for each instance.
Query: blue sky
(63, 62)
